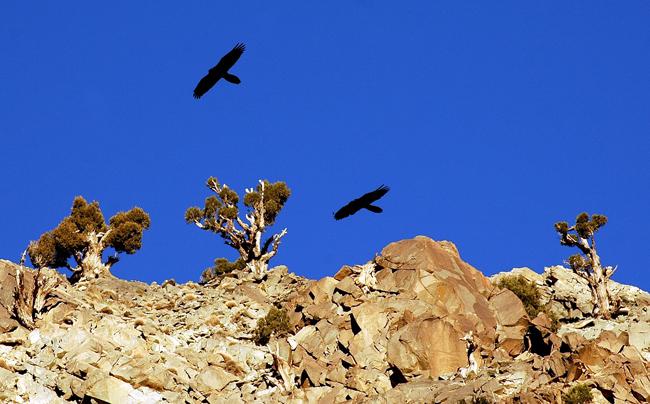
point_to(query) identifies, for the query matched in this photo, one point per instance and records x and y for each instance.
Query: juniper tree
(587, 263)
(221, 266)
(84, 236)
(220, 215)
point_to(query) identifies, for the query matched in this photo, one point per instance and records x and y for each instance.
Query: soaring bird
(220, 70)
(364, 202)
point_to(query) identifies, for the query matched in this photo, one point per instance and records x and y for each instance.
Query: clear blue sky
(489, 120)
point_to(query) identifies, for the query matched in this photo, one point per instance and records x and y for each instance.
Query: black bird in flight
(220, 71)
(363, 202)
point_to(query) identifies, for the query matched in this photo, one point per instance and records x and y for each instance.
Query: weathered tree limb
(596, 276)
(244, 233)
(276, 239)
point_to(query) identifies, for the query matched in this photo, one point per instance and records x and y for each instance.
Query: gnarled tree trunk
(598, 284)
(258, 268)
(90, 264)
(598, 278)
(246, 238)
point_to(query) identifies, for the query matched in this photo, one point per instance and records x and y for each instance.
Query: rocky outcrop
(568, 295)
(409, 324)
(415, 324)
(119, 341)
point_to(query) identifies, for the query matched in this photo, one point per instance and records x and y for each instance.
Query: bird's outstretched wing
(372, 196)
(349, 209)
(206, 83)
(362, 202)
(220, 70)
(229, 59)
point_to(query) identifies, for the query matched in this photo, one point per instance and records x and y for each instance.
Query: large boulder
(433, 272)
(402, 315)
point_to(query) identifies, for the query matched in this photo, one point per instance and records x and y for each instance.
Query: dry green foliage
(579, 235)
(85, 232)
(221, 215)
(126, 230)
(223, 206)
(221, 267)
(276, 323)
(525, 290)
(578, 394)
(275, 196)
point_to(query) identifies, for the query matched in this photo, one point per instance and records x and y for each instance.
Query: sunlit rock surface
(390, 330)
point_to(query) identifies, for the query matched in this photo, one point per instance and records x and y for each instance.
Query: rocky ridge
(415, 324)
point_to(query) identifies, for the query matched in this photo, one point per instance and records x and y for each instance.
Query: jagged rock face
(117, 341)
(568, 295)
(396, 329)
(611, 355)
(433, 272)
(407, 325)
(7, 296)
(452, 295)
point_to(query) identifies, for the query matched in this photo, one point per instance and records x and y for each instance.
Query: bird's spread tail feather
(375, 209)
(231, 78)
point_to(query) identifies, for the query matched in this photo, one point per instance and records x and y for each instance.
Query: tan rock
(323, 289)
(110, 390)
(369, 381)
(565, 286)
(8, 282)
(554, 364)
(511, 339)
(366, 352)
(633, 354)
(639, 335)
(302, 336)
(347, 285)
(157, 378)
(315, 371)
(343, 273)
(527, 273)
(321, 310)
(348, 301)
(7, 324)
(641, 386)
(254, 294)
(397, 341)
(386, 281)
(371, 317)
(214, 378)
(337, 373)
(573, 340)
(431, 345)
(434, 257)
(440, 277)
(145, 395)
(594, 357)
(612, 342)
(508, 308)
